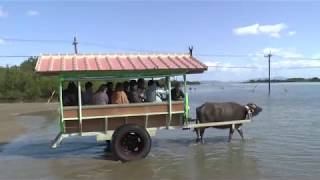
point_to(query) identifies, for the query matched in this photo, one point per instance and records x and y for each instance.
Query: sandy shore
(9, 128)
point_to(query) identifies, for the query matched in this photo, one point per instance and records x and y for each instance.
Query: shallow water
(281, 143)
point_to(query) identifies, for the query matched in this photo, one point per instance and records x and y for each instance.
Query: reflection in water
(183, 159)
(174, 155)
(281, 143)
(2, 145)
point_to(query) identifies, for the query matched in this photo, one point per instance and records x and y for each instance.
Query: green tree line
(22, 83)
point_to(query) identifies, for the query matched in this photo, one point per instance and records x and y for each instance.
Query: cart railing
(121, 109)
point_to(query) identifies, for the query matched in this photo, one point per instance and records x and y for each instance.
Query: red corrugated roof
(55, 64)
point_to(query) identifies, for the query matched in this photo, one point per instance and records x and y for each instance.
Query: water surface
(281, 143)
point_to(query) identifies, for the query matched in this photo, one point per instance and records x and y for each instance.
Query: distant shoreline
(289, 80)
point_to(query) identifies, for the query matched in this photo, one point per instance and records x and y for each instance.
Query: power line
(302, 67)
(254, 67)
(35, 40)
(254, 55)
(226, 55)
(17, 56)
(297, 58)
(210, 66)
(102, 45)
(234, 67)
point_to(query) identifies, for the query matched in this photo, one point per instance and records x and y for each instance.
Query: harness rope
(249, 112)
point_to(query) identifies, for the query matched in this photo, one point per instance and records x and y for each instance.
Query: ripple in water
(281, 143)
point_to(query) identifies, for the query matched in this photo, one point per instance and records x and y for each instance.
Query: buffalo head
(255, 110)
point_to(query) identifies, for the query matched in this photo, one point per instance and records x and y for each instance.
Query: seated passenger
(133, 94)
(132, 83)
(151, 91)
(70, 95)
(126, 87)
(159, 92)
(110, 90)
(141, 90)
(176, 93)
(101, 96)
(119, 96)
(87, 95)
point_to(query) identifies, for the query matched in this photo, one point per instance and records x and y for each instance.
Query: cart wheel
(131, 142)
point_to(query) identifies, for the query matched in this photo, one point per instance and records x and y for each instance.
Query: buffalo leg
(231, 133)
(240, 132)
(198, 134)
(201, 134)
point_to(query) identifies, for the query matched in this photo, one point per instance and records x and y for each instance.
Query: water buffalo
(227, 111)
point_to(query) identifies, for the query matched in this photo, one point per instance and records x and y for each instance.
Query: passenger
(126, 87)
(141, 90)
(176, 93)
(159, 92)
(110, 90)
(119, 96)
(151, 91)
(101, 96)
(70, 95)
(133, 94)
(132, 83)
(87, 95)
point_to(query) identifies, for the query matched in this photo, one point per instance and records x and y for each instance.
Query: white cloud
(292, 33)
(271, 50)
(253, 29)
(210, 63)
(300, 63)
(284, 53)
(286, 62)
(256, 29)
(3, 13)
(228, 67)
(290, 58)
(272, 30)
(2, 41)
(316, 56)
(32, 13)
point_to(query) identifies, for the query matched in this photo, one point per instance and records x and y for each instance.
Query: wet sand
(9, 127)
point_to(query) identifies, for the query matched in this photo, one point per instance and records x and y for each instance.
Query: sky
(232, 37)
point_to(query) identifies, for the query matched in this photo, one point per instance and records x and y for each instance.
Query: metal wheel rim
(132, 144)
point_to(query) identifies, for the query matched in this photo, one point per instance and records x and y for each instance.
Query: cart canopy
(118, 65)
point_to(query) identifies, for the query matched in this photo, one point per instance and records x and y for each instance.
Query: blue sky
(290, 30)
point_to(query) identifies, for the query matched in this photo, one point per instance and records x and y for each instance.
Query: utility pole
(269, 80)
(75, 44)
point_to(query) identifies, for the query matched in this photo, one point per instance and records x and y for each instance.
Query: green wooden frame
(78, 77)
(122, 74)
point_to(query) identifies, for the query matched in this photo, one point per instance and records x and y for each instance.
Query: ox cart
(127, 126)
